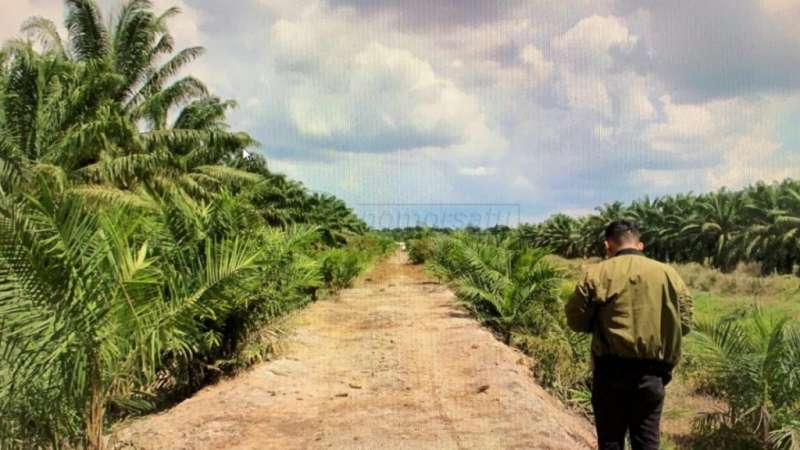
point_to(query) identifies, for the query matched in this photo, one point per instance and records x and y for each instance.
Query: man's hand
(580, 308)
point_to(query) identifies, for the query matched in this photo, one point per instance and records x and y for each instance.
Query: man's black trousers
(627, 397)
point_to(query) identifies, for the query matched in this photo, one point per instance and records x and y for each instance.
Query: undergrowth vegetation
(516, 291)
(753, 364)
(340, 266)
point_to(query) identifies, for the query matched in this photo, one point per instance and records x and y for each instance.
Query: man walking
(637, 310)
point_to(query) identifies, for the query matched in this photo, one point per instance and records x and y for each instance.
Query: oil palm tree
(562, 234)
(131, 47)
(753, 366)
(647, 212)
(676, 211)
(772, 227)
(716, 226)
(89, 308)
(80, 103)
(593, 226)
(511, 288)
(335, 220)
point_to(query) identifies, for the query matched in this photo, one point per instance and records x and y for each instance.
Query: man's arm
(580, 307)
(685, 306)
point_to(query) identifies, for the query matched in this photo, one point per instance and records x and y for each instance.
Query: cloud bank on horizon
(556, 106)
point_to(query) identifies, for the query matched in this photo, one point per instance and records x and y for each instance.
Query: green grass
(712, 305)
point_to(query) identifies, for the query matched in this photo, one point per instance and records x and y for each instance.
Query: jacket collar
(629, 251)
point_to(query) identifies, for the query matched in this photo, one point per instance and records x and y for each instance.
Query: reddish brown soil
(392, 363)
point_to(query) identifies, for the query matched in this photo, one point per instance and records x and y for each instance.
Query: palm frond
(45, 31)
(157, 79)
(110, 196)
(88, 37)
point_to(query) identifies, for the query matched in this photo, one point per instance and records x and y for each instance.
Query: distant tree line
(760, 223)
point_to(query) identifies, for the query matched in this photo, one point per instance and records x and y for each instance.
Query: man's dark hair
(622, 230)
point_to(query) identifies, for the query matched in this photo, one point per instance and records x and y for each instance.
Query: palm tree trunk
(95, 412)
(765, 426)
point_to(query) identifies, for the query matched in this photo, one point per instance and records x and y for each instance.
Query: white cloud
(289, 8)
(584, 91)
(747, 159)
(586, 81)
(588, 45)
(668, 180)
(604, 133)
(634, 98)
(522, 182)
(682, 124)
(350, 94)
(785, 15)
(185, 27)
(780, 7)
(400, 177)
(541, 68)
(737, 138)
(478, 171)
(478, 40)
(391, 96)
(310, 44)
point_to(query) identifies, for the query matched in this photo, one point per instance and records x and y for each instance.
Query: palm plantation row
(760, 224)
(142, 250)
(749, 362)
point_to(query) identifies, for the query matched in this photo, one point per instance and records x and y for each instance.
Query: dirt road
(392, 363)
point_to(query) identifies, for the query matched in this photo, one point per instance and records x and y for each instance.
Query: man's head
(622, 234)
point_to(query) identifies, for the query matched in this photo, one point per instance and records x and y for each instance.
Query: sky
(533, 106)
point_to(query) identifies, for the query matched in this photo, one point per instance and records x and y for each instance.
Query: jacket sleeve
(685, 305)
(581, 306)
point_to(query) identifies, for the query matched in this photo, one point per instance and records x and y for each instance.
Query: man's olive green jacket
(635, 307)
